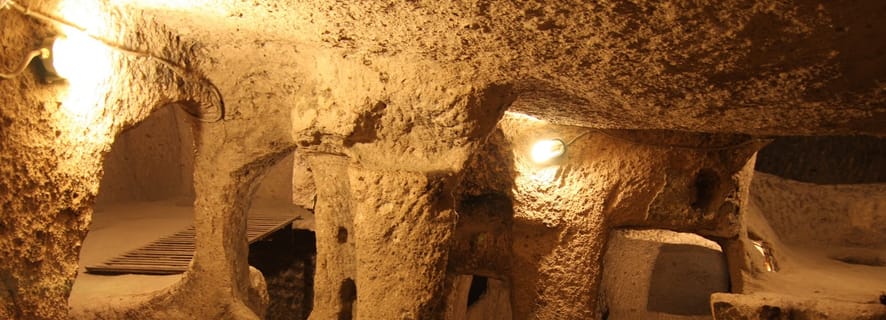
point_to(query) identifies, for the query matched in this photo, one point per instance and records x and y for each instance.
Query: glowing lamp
(73, 56)
(545, 150)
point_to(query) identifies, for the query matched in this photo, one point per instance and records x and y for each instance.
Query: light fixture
(72, 56)
(766, 251)
(76, 56)
(546, 150)
(61, 58)
(48, 59)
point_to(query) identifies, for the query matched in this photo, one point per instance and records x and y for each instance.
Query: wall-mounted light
(74, 57)
(765, 250)
(61, 58)
(545, 150)
(70, 57)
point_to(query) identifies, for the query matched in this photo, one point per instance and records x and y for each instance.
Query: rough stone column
(334, 227)
(407, 135)
(403, 225)
(560, 225)
(304, 190)
(740, 263)
(560, 233)
(556, 272)
(232, 155)
(219, 270)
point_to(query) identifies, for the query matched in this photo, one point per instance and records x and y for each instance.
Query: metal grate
(172, 254)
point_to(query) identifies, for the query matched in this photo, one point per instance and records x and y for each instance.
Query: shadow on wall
(683, 279)
(661, 274)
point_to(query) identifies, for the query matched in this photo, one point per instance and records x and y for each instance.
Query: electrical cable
(176, 68)
(30, 56)
(576, 138)
(676, 146)
(665, 145)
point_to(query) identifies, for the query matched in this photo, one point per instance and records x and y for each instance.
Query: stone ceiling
(798, 68)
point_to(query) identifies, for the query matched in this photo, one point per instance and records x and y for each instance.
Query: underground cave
(479, 159)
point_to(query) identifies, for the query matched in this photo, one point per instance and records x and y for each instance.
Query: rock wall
(304, 191)
(659, 274)
(151, 161)
(796, 232)
(546, 232)
(407, 94)
(826, 160)
(155, 161)
(54, 137)
(810, 214)
(276, 186)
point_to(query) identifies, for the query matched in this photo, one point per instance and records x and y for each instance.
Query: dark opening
(367, 126)
(770, 312)
(342, 235)
(286, 259)
(825, 160)
(348, 295)
(605, 312)
(479, 285)
(706, 184)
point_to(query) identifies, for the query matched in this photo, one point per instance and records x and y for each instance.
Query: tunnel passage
(678, 67)
(478, 297)
(813, 214)
(803, 181)
(285, 258)
(479, 286)
(145, 193)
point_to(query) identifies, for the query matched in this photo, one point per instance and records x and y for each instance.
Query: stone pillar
(304, 190)
(220, 266)
(403, 225)
(334, 227)
(557, 272)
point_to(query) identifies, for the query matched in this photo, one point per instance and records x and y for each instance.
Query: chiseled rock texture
(52, 140)
(746, 66)
(727, 306)
(334, 226)
(550, 247)
(407, 93)
(826, 160)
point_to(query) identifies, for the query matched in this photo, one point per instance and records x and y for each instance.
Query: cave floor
(116, 229)
(121, 227)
